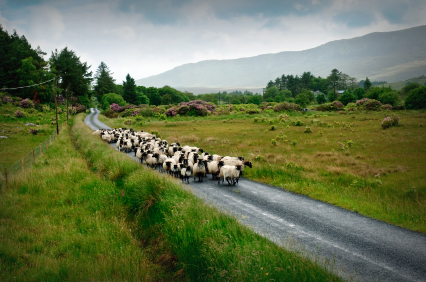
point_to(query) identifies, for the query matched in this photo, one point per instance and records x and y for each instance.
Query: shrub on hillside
(192, 108)
(334, 106)
(387, 107)
(111, 114)
(286, 107)
(369, 104)
(416, 98)
(6, 99)
(147, 112)
(26, 103)
(390, 121)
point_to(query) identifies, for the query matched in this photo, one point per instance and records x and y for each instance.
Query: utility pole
(56, 108)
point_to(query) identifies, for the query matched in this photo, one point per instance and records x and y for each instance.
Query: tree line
(23, 65)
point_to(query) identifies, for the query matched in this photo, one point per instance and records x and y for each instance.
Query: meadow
(19, 139)
(345, 159)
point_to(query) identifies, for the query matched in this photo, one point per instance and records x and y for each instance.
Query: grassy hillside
(347, 160)
(400, 84)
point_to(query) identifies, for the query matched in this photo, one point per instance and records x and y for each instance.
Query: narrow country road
(364, 248)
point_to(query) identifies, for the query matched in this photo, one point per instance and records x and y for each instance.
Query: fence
(23, 165)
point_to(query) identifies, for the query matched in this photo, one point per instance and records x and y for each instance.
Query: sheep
(185, 173)
(229, 172)
(97, 132)
(152, 160)
(217, 157)
(237, 161)
(199, 170)
(213, 167)
(168, 164)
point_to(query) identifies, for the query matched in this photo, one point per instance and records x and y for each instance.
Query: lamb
(237, 161)
(199, 170)
(231, 173)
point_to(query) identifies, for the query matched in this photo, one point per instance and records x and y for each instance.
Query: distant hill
(398, 85)
(390, 56)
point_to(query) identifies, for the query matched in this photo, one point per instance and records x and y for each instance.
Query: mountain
(390, 56)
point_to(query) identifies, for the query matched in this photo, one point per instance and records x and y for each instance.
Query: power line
(26, 86)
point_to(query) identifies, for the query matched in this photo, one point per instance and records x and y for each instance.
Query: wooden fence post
(41, 149)
(7, 183)
(23, 165)
(33, 156)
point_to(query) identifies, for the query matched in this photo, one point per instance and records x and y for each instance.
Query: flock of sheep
(175, 160)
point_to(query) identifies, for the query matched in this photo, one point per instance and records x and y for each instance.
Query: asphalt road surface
(360, 247)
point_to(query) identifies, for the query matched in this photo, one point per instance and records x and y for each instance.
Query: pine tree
(129, 90)
(105, 83)
(367, 84)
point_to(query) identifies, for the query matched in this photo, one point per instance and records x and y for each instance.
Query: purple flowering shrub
(369, 104)
(390, 121)
(192, 108)
(19, 114)
(26, 103)
(7, 99)
(34, 131)
(387, 107)
(60, 99)
(115, 107)
(334, 106)
(77, 109)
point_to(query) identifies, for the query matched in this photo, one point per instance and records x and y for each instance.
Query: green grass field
(20, 141)
(400, 84)
(61, 222)
(378, 173)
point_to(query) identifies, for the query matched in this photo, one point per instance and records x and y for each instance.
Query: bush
(373, 105)
(252, 111)
(308, 130)
(297, 123)
(390, 97)
(390, 121)
(26, 103)
(387, 107)
(19, 114)
(416, 98)
(147, 112)
(286, 107)
(112, 98)
(111, 114)
(347, 97)
(334, 106)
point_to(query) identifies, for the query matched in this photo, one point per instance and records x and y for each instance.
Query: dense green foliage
(108, 99)
(416, 98)
(72, 73)
(347, 97)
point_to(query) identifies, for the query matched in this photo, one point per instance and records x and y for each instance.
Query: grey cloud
(355, 19)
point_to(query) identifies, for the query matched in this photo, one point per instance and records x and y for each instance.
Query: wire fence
(24, 164)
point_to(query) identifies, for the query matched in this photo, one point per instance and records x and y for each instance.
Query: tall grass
(207, 244)
(316, 165)
(61, 222)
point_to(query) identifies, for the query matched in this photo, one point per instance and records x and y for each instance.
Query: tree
(72, 73)
(270, 84)
(256, 99)
(407, 88)
(389, 97)
(416, 98)
(153, 96)
(278, 83)
(166, 99)
(333, 79)
(283, 82)
(321, 98)
(367, 84)
(29, 75)
(105, 83)
(331, 95)
(270, 93)
(109, 98)
(306, 80)
(129, 90)
(359, 93)
(302, 99)
(347, 97)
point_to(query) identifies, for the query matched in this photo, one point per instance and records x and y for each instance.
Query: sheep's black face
(241, 158)
(249, 164)
(185, 161)
(210, 158)
(175, 149)
(201, 151)
(238, 167)
(221, 163)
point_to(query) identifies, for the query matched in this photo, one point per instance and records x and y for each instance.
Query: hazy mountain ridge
(390, 56)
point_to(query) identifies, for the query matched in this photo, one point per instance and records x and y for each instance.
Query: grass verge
(208, 245)
(61, 222)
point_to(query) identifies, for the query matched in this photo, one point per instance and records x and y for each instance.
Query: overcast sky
(145, 38)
